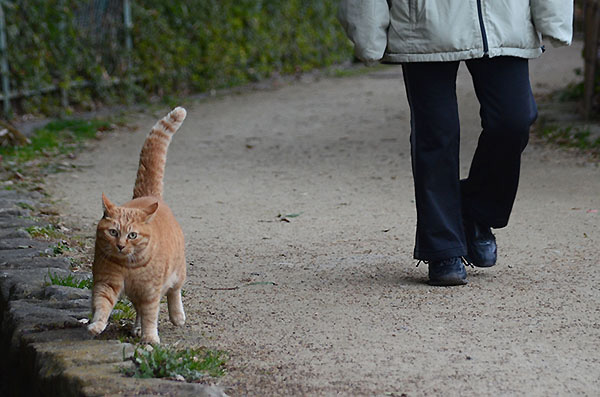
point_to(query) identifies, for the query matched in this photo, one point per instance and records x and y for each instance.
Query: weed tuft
(571, 137)
(47, 232)
(61, 247)
(572, 92)
(69, 281)
(25, 206)
(167, 362)
(123, 310)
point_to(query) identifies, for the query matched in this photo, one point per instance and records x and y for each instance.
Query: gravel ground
(297, 206)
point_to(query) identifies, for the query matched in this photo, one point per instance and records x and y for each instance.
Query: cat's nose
(120, 247)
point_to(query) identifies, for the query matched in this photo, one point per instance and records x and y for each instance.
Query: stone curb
(45, 349)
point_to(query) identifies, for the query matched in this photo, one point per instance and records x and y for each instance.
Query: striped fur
(149, 181)
(140, 247)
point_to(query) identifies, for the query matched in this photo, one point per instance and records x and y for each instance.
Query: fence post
(592, 38)
(62, 27)
(128, 47)
(4, 63)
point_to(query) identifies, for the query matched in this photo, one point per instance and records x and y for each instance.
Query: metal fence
(591, 83)
(104, 25)
(4, 63)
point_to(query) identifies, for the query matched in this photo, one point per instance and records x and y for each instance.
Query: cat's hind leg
(104, 297)
(149, 320)
(176, 313)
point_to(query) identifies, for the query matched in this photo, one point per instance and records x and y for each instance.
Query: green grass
(61, 247)
(572, 137)
(167, 362)
(48, 231)
(572, 92)
(57, 137)
(25, 206)
(69, 281)
(123, 310)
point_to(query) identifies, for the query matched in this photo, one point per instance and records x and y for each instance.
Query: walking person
(495, 39)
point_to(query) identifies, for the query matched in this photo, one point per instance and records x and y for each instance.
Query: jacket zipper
(482, 26)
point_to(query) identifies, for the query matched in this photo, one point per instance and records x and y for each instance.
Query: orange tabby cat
(139, 245)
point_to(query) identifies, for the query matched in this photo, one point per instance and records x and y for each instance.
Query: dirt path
(331, 303)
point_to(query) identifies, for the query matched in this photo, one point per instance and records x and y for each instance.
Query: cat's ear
(108, 206)
(149, 211)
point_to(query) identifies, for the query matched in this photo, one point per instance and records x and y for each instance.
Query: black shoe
(481, 244)
(446, 272)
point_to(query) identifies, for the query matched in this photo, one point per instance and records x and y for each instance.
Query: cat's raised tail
(149, 181)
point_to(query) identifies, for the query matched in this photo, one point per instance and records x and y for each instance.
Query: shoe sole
(447, 283)
(479, 264)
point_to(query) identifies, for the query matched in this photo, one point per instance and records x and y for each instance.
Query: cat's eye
(132, 236)
(113, 232)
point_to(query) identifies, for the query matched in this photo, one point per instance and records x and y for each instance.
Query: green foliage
(218, 43)
(166, 362)
(57, 137)
(25, 206)
(572, 92)
(178, 47)
(123, 310)
(61, 247)
(572, 137)
(48, 231)
(55, 42)
(69, 281)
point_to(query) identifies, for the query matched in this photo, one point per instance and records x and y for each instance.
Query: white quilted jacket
(448, 30)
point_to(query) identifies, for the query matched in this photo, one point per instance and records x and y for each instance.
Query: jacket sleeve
(366, 23)
(554, 20)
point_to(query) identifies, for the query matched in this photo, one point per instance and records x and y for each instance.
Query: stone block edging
(45, 349)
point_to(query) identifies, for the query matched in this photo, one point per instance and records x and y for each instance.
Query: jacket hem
(528, 53)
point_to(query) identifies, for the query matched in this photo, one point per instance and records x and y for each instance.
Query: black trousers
(507, 110)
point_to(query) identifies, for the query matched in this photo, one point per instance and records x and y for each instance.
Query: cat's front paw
(177, 319)
(151, 339)
(96, 327)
